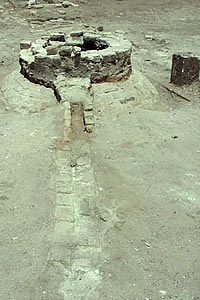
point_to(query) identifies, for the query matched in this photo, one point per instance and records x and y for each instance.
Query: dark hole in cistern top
(93, 44)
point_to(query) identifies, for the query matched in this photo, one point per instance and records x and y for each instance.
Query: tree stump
(185, 69)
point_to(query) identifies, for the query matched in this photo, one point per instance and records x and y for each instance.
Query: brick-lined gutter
(75, 241)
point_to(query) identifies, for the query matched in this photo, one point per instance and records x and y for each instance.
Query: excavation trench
(79, 138)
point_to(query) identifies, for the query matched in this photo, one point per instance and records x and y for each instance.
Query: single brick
(25, 45)
(64, 199)
(64, 213)
(63, 232)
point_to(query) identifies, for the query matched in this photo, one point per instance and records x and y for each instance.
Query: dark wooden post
(185, 69)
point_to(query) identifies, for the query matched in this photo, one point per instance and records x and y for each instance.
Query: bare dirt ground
(146, 157)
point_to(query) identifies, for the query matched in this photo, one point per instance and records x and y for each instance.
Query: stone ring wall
(98, 56)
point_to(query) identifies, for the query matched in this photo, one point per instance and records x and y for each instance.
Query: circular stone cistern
(99, 57)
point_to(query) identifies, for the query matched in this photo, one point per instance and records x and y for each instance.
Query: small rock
(125, 101)
(76, 50)
(25, 45)
(107, 157)
(100, 28)
(31, 2)
(86, 25)
(73, 163)
(150, 37)
(163, 293)
(66, 4)
(89, 128)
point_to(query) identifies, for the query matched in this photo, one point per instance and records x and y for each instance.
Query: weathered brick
(85, 231)
(63, 165)
(63, 231)
(64, 156)
(65, 51)
(86, 252)
(65, 199)
(51, 50)
(64, 213)
(89, 118)
(67, 133)
(64, 187)
(84, 207)
(59, 252)
(84, 188)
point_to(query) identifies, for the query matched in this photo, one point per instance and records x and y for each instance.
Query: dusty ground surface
(145, 156)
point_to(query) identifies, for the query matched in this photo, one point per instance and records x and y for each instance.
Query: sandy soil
(145, 156)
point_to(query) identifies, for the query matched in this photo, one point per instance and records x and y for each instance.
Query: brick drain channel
(70, 64)
(75, 244)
